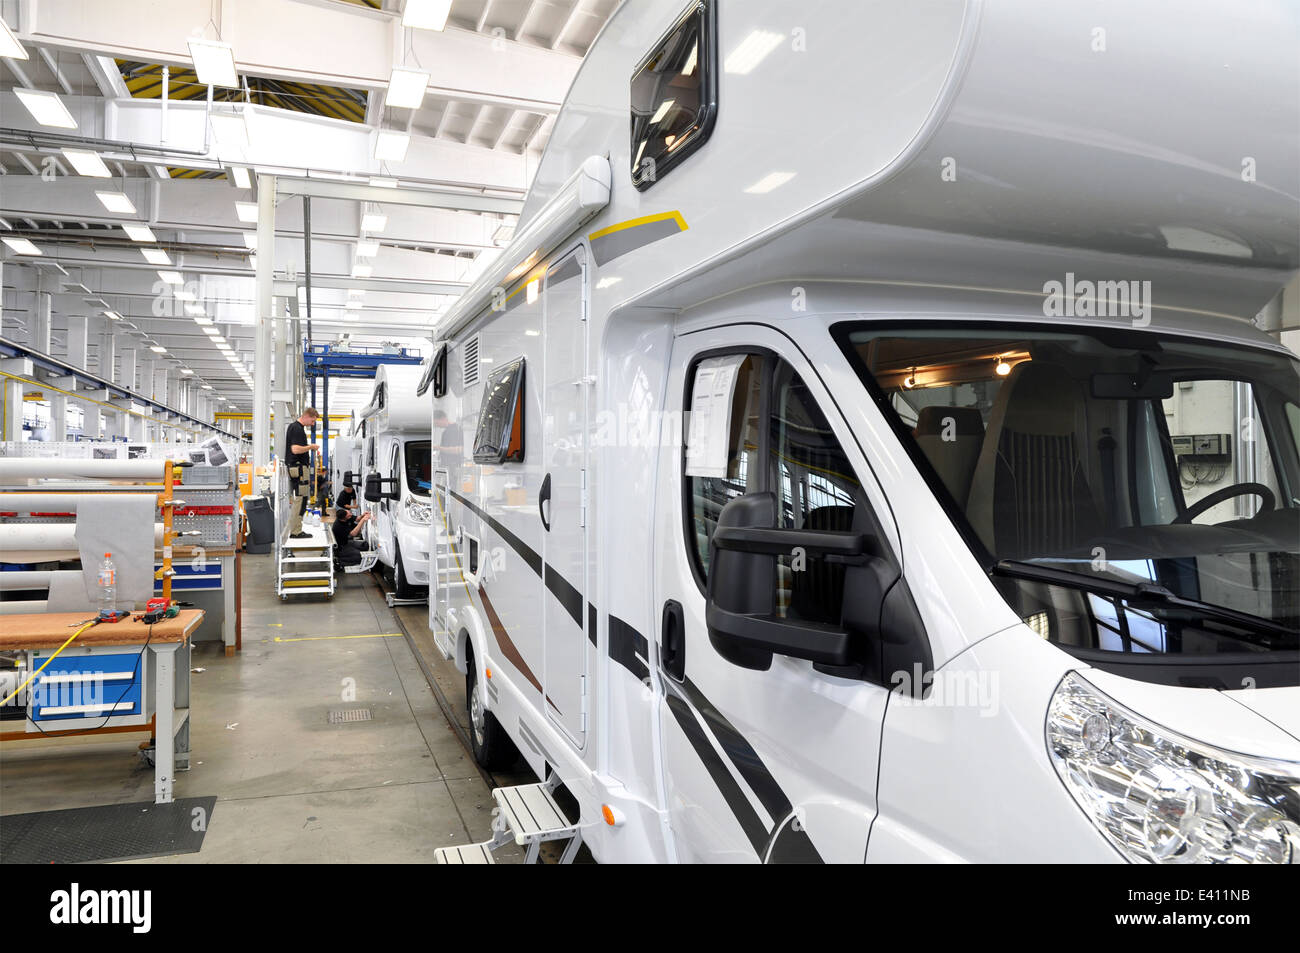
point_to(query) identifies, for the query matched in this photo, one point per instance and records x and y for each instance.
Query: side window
(674, 96)
(707, 495)
(816, 490)
(776, 440)
(500, 435)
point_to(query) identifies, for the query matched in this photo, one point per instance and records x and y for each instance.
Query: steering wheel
(1267, 499)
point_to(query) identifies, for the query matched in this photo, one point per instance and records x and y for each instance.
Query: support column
(42, 316)
(106, 354)
(58, 417)
(160, 384)
(262, 353)
(92, 422)
(78, 341)
(13, 409)
(126, 369)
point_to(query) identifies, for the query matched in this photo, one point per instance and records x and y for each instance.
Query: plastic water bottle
(107, 586)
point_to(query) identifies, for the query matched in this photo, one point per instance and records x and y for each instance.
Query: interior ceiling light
(21, 246)
(186, 371)
(86, 163)
(139, 233)
(503, 234)
(46, 108)
(155, 256)
(241, 177)
(9, 45)
(380, 182)
(207, 387)
(214, 62)
(158, 349)
(367, 249)
(250, 241)
(374, 222)
(391, 145)
(406, 88)
(202, 320)
(362, 271)
(211, 332)
(172, 277)
(112, 316)
(426, 14)
(180, 294)
(247, 211)
(194, 310)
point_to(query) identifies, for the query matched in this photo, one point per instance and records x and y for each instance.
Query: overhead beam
(423, 198)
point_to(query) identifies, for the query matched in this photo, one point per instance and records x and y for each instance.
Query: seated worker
(346, 530)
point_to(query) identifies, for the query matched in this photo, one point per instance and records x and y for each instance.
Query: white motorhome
(874, 456)
(393, 437)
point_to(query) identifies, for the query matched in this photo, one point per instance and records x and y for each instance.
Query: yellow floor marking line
(322, 638)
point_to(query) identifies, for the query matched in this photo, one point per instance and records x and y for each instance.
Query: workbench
(97, 655)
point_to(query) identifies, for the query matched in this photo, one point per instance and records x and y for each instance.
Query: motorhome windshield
(419, 466)
(1129, 491)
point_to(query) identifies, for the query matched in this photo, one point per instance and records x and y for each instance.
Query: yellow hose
(83, 628)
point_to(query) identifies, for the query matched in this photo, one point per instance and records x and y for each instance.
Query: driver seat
(1029, 496)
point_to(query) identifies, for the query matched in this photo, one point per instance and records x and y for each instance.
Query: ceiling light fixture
(172, 277)
(46, 108)
(362, 271)
(406, 88)
(9, 45)
(380, 182)
(139, 233)
(87, 163)
(241, 177)
(21, 246)
(214, 62)
(374, 222)
(247, 211)
(426, 14)
(158, 349)
(366, 249)
(155, 256)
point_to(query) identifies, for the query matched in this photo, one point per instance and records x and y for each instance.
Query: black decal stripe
(744, 812)
(625, 643)
(569, 597)
(592, 620)
(742, 755)
(526, 552)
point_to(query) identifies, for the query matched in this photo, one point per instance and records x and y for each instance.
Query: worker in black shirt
(347, 499)
(297, 457)
(346, 529)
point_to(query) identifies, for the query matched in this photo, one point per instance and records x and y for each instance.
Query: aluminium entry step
(469, 854)
(531, 814)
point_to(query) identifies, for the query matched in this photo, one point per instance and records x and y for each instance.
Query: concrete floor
(291, 787)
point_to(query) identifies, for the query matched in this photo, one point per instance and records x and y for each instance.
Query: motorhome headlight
(1162, 798)
(417, 511)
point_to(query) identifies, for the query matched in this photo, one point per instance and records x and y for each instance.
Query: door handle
(544, 501)
(672, 641)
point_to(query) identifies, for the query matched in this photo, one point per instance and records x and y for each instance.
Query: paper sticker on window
(709, 440)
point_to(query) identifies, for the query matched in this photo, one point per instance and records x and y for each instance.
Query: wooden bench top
(49, 630)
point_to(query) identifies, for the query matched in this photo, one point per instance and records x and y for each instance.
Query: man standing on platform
(297, 457)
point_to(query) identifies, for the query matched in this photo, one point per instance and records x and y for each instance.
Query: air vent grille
(471, 361)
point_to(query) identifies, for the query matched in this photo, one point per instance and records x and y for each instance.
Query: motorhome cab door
(564, 494)
(768, 756)
(387, 508)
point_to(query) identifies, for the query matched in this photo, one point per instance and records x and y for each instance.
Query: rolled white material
(42, 538)
(22, 608)
(58, 468)
(56, 502)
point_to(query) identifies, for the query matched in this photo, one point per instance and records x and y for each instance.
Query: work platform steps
(526, 814)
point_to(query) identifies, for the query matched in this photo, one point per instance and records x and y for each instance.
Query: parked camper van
(891, 470)
(395, 458)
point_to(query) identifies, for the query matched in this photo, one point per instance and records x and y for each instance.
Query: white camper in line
(890, 470)
(393, 438)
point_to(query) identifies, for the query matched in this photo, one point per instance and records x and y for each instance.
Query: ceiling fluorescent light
(503, 234)
(155, 256)
(46, 108)
(250, 241)
(112, 316)
(247, 211)
(9, 45)
(182, 295)
(214, 63)
(21, 246)
(406, 88)
(362, 271)
(241, 177)
(158, 349)
(373, 222)
(186, 371)
(139, 233)
(117, 202)
(367, 249)
(753, 50)
(391, 145)
(86, 163)
(381, 182)
(195, 310)
(212, 332)
(203, 321)
(172, 277)
(426, 14)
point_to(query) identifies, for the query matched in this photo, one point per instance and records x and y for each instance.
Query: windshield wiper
(1148, 592)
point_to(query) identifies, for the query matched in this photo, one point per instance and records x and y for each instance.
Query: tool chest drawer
(87, 687)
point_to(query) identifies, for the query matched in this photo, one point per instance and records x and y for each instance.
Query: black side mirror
(349, 479)
(745, 629)
(375, 492)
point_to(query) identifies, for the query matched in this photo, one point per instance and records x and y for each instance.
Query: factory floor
(290, 786)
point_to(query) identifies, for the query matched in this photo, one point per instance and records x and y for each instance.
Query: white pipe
(41, 538)
(61, 468)
(24, 607)
(19, 502)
